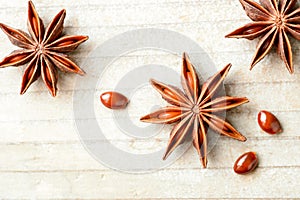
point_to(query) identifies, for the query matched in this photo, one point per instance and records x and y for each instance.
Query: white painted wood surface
(40, 152)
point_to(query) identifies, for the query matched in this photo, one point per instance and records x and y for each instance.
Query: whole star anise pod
(44, 50)
(195, 109)
(274, 21)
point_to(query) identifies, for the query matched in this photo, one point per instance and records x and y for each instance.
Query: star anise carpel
(273, 21)
(43, 49)
(195, 109)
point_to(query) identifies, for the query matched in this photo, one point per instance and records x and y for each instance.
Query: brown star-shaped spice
(273, 21)
(195, 109)
(44, 50)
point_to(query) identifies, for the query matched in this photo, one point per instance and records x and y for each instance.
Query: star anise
(195, 109)
(273, 20)
(44, 50)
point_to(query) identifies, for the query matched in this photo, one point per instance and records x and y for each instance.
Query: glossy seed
(246, 163)
(66, 43)
(35, 26)
(253, 30)
(190, 79)
(170, 93)
(168, 115)
(17, 58)
(268, 122)
(113, 100)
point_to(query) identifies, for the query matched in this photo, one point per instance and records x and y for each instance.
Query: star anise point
(204, 162)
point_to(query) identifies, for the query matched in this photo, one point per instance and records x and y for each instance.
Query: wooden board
(41, 155)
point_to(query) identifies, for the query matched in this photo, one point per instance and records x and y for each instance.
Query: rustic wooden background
(40, 152)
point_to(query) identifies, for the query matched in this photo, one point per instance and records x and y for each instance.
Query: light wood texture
(41, 155)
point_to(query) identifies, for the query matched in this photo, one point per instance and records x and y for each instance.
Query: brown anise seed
(268, 122)
(170, 93)
(168, 115)
(65, 43)
(17, 58)
(189, 78)
(253, 30)
(246, 163)
(35, 26)
(113, 100)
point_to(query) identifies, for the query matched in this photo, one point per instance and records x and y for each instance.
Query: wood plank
(162, 184)
(73, 156)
